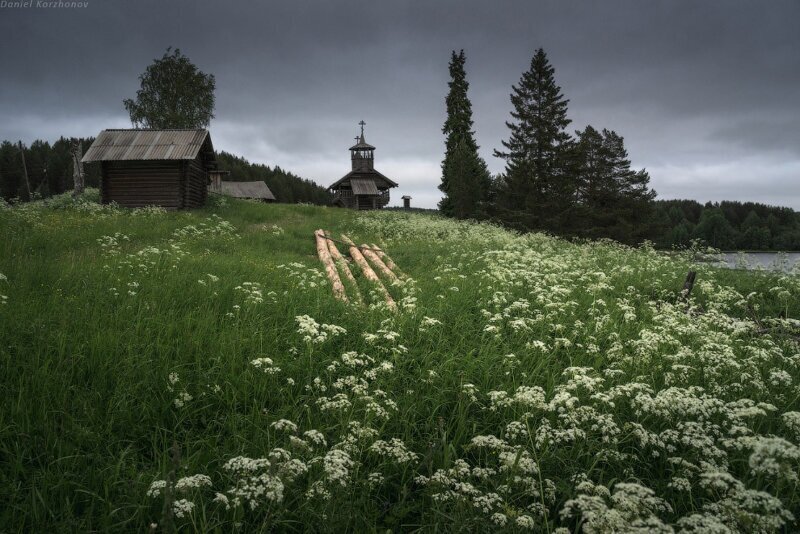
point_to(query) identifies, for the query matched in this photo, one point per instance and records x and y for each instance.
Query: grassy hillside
(192, 370)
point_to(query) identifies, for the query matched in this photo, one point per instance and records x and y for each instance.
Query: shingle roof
(133, 145)
(364, 186)
(379, 179)
(362, 144)
(246, 190)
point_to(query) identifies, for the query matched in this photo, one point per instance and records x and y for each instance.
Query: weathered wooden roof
(362, 144)
(364, 186)
(136, 145)
(378, 179)
(246, 190)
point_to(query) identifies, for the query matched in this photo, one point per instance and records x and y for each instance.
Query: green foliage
(465, 177)
(715, 229)
(174, 93)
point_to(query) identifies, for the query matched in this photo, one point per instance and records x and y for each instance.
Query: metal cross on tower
(362, 123)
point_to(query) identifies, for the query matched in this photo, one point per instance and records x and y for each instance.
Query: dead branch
(77, 168)
(688, 284)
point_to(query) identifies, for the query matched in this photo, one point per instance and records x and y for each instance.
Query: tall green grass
(90, 334)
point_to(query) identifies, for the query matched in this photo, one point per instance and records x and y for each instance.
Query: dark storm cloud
(705, 93)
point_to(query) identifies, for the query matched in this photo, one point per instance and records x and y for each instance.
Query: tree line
(48, 166)
(725, 225)
(580, 183)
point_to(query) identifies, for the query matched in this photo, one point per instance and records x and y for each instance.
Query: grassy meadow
(192, 371)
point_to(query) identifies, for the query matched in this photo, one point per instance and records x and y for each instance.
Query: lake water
(771, 261)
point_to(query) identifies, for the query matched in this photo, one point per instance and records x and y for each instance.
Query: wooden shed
(250, 190)
(167, 168)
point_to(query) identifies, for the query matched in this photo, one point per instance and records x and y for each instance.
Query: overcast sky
(706, 94)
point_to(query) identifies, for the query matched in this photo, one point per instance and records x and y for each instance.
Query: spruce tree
(467, 190)
(465, 177)
(537, 189)
(614, 200)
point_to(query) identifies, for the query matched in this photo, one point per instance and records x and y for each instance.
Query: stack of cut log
(368, 259)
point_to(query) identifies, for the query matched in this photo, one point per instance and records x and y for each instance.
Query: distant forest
(725, 225)
(49, 169)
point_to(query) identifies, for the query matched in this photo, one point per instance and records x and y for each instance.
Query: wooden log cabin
(249, 190)
(363, 188)
(167, 168)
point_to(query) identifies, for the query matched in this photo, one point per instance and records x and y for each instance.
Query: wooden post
(342, 263)
(330, 268)
(376, 260)
(77, 168)
(688, 284)
(25, 172)
(369, 274)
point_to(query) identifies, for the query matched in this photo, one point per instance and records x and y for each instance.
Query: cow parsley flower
(394, 449)
(284, 424)
(182, 398)
(192, 482)
(182, 508)
(222, 499)
(337, 465)
(156, 488)
(265, 365)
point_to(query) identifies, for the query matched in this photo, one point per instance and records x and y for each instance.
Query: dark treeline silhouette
(49, 169)
(725, 225)
(581, 184)
(286, 187)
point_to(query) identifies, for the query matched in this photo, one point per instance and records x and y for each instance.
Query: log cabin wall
(135, 184)
(196, 188)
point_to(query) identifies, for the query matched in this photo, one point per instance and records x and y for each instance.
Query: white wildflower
(182, 508)
(156, 487)
(192, 482)
(284, 425)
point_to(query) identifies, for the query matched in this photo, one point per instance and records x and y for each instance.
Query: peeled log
(378, 262)
(330, 268)
(369, 274)
(387, 260)
(342, 263)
